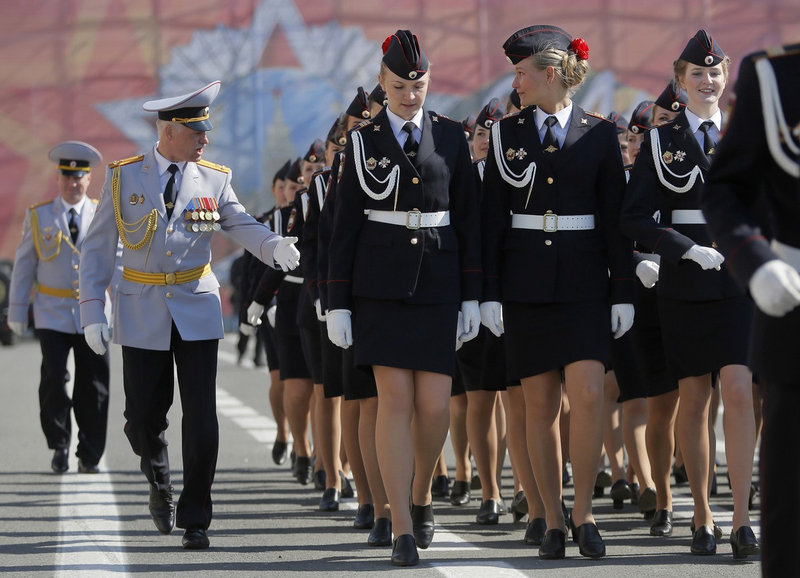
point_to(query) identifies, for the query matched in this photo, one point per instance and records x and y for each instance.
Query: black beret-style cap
(491, 113)
(619, 120)
(316, 152)
(377, 95)
(672, 98)
(534, 39)
(469, 127)
(335, 134)
(282, 172)
(403, 55)
(640, 120)
(295, 173)
(359, 108)
(702, 50)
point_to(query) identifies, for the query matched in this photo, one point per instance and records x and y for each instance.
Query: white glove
(318, 308)
(247, 329)
(340, 329)
(254, 313)
(18, 327)
(96, 335)
(647, 272)
(621, 319)
(706, 257)
(286, 255)
(271, 315)
(492, 317)
(471, 320)
(775, 287)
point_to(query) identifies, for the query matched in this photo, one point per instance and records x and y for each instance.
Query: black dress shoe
(60, 461)
(304, 471)
(590, 544)
(662, 523)
(553, 545)
(503, 509)
(347, 487)
(440, 487)
(365, 517)
(717, 530)
(647, 500)
(635, 491)
(330, 500)
(534, 533)
(195, 539)
(422, 518)
(620, 492)
(404, 551)
(381, 534)
(162, 509)
(320, 480)
(489, 513)
(519, 506)
(744, 543)
(703, 542)
(87, 467)
(460, 494)
(680, 475)
(280, 451)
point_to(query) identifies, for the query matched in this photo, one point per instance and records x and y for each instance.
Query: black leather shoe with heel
(744, 543)
(422, 518)
(553, 546)
(404, 551)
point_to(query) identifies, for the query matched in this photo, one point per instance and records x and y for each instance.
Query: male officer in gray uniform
(165, 206)
(49, 254)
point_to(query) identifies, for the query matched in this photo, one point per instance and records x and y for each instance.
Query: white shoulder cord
(278, 220)
(775, 120)
(527, 176)
(320, 190)
(392, 181)
(659, 163)
(481, 168)
(304, 201)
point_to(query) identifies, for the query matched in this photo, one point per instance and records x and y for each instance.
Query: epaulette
(510, 115)
(598, 115)
(361, 125)
(215, 166)
(123, 162)
(445, 117)
(775, 52)
(42, 204)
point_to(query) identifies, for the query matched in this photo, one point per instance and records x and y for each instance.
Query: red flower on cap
(580, 48)
(386, 43)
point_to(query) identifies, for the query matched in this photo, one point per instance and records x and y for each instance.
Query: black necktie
(708, 142)
(550, 142)
(73, 226)
(411, 146)
(170, 191)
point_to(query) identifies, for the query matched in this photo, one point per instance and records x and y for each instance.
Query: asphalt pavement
(267, 525)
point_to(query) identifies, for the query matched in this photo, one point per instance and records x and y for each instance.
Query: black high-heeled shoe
(744, 543)
(489, 513)
(620, 492)
(460, 494)
(662, 523)
(703, 542)
(553, 546)
(404, 551)
(519, 506)
(423, 524)
(534, 533)
(590, 544)
(381, 534)
(717, 530)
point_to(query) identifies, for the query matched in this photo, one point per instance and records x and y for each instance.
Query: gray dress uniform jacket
(144, 312)
(53, 266)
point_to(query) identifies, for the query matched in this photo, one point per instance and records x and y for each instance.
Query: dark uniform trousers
(149, 388)
(89, 394)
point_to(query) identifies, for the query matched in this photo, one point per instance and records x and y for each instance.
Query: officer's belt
(651, 257)
(65, 293)
(411, 219)
(688, 217)
(788, 253)
(177, 278)
(293, 279)
(550, 223)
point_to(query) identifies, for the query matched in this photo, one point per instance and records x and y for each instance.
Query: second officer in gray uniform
(164, 206)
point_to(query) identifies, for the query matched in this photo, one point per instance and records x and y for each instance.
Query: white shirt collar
(562, 116)
(163, 163)
(77, 206)
(397, 123)
(695, 121)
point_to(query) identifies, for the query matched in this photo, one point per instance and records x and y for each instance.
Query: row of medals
(200, 220)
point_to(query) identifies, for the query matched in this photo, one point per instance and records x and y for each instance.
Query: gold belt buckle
(550, 223)
(169, 278)
(417, 215)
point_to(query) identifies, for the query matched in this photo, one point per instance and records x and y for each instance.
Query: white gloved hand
(340, 329)
(318, 309)
(775, 287)
(286, 255)
(706, 257)
(271, 315)
(18, 327)
(621, 319)
(470, 320)
(254, 313)
(247, 329)
(647, 272)
(492, 317)
(96, 335)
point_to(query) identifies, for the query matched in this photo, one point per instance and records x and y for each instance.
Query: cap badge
(371, 163)
(510, 154)
(412, 75)
(667, 156)
(680, 155)
(709, 59)
(489, 122)
(343, 141)
(365, 113)
(301, 180)
(312, 158)
(635, 129)
(73, 164)
(675, 105)
(134, 198)
(384, 162)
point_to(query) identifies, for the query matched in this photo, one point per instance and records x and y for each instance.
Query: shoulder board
(776, 52)
(598, 115)
(42, 204)
(437, 115)
(364, 124)
(215, 166)
(321, 172)
(511, 115)
(136, 159)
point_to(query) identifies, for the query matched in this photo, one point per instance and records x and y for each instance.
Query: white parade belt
(293, 279)
(411, 219)
(788, 253)
(688, 217)
(550, 223)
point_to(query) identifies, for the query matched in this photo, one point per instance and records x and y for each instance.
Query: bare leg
(366, 435)
(459, 438)
(276, 392)
(297, 398)
(612, 430)
(351, 422)
(660, 440)
(564, 426)
(634, 427)
(502, 428)
(482, 430)
(692, 428)
(518, 449)
(430, 424)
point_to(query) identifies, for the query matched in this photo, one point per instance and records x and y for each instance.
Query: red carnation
(386, 44)
(580, 48)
